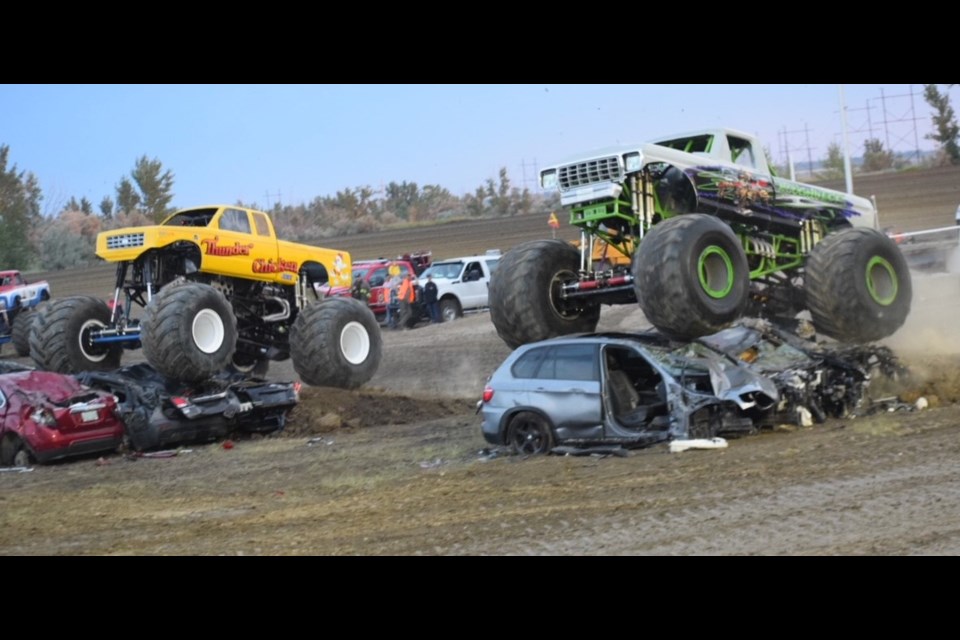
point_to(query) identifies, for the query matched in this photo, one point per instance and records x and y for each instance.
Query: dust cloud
(933, 326)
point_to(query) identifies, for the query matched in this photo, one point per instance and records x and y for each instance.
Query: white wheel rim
(90, 325)
(208, 330)
(354, 343)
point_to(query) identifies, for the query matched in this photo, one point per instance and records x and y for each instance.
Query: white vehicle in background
(462, 283)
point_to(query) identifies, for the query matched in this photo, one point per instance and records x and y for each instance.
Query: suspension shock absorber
(638, 211)
(586, 252)
(301, 295)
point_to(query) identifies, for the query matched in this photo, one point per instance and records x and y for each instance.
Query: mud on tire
(525, 302)
(336, 343)
(59, 336)
(691, 276)
(858, 286)
(189, 331)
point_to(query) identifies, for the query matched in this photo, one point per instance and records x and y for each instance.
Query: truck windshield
(448, 270)
(191, 218)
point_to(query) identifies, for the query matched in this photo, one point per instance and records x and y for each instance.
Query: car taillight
(179, 402)
(487, 394)
(296, 389)
(44, 417)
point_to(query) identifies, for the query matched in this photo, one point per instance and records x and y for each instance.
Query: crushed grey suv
(635, 390)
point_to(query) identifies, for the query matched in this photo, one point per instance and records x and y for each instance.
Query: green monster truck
(705, 233)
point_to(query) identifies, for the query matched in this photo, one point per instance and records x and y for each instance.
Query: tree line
(68, 238)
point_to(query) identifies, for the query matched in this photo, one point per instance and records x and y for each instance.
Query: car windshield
(448, 270)
(360, 272)
(680, 361)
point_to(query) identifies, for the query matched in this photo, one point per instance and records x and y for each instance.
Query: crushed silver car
(635, 390)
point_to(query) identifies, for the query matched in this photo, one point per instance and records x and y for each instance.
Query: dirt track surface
(400, 467)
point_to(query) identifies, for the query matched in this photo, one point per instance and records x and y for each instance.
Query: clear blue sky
(258, 143)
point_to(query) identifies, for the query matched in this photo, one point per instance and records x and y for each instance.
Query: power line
(268, 195)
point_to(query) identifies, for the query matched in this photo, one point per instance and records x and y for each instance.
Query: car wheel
(529, 433)
(450, 310)
(59, 336)
(336, 343)
(857, 285)
(526, 296)
(691, 276)
(189, 332)
(13, 453)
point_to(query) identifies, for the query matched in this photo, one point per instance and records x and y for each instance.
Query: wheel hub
(354, 343)
(715, 270)
(91, 352)
(881, 281)
(208, 331)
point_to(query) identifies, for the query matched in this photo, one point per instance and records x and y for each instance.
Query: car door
(567, 390)
(473, 286)
(379, 296)
(229, 246)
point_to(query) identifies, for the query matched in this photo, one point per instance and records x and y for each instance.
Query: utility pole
(847, 172)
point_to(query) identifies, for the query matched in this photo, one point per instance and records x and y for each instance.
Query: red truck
(376, 273)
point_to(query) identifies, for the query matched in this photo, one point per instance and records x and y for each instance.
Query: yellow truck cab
(230, 241)
(217, 290)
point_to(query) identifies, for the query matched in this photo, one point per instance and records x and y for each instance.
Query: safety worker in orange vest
(407, 296)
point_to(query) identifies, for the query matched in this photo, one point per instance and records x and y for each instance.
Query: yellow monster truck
(218, 291)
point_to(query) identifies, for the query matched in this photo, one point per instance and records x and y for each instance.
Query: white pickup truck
(462, 283)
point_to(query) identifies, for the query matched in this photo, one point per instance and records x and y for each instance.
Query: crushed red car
(46, 416)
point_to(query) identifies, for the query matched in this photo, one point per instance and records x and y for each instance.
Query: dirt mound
(323, 409)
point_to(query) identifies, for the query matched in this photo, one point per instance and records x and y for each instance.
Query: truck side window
(263, 226)
(474, 272)
(378, 277)
(235, 220)
(741, 152)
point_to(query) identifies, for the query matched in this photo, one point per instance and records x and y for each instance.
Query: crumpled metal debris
(599, 450)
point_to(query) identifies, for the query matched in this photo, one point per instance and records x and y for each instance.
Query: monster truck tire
(59, 336)
(858, 286)
(20, 332)
(525, 302)
(336, 343)
(691, 276)
(189, 331)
